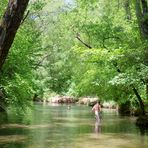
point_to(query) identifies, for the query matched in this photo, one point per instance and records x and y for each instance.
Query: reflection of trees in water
(143, 130)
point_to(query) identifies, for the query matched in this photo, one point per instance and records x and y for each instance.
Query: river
(56, 126)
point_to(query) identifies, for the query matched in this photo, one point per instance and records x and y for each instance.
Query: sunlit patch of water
(12, 138)
(110, 140)
(25, 126)
(58, 127)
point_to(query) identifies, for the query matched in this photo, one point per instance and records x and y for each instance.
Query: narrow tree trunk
(9, 25)
(144, 31)
(135, 92)
(128, 10)
(2, 100)
(141, 13)
(139, 100)
(147, 89)
(144, 7)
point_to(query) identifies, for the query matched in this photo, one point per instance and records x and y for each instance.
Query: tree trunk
(10, 23)
(144, 7)
(139, 100)
(128, 10)
(2, 100)
(141, 13)
(147, 89)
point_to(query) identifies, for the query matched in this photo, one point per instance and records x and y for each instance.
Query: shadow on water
(57, 127)
(143, 131)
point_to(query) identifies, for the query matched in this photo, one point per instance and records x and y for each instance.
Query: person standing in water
(97, 109)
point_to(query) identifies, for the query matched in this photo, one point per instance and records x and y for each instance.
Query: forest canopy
(78, 48)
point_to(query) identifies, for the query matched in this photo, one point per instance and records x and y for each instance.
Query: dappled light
(74, 73)
(76, 127)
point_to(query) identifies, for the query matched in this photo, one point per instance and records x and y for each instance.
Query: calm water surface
(59, 127)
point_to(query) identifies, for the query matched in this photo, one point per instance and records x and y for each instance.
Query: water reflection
(143, 131)
(58, 126)
(97, 128)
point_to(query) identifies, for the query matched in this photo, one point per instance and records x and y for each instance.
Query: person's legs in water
(97, 116)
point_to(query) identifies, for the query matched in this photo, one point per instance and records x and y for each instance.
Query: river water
(52, 126)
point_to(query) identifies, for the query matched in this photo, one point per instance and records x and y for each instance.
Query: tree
(17, 75)
(142, 19)
(11, 21)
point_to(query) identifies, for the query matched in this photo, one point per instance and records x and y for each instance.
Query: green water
(59, 127)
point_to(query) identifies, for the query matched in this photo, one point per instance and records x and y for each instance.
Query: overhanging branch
(85, 44)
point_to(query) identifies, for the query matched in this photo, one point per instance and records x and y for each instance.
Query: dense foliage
(79, 48)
